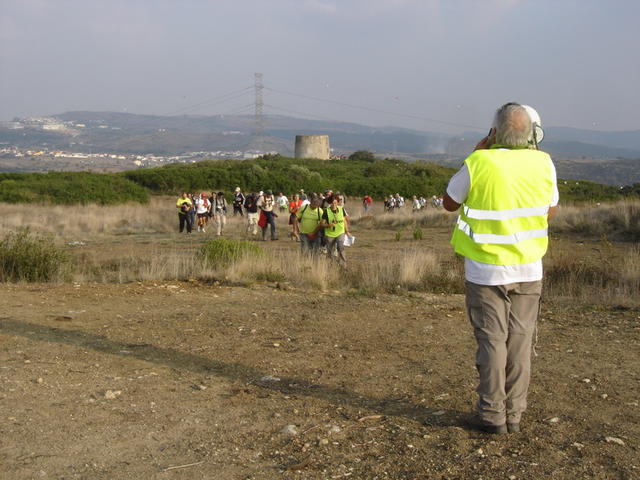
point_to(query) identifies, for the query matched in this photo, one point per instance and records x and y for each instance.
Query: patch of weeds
(417, 234)
(270, 276)
(31, 258)
(361, 292)
(223, 251)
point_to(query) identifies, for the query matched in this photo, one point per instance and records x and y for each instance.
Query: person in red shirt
(367, 201)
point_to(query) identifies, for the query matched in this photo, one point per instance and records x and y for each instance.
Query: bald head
(513, 126)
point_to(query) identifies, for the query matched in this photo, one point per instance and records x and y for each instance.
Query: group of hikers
(395, 202)
(262, 208)
(318, 221)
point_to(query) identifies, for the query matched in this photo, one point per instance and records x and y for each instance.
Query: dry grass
(158, 265)
(158, 216)
(302, 270)
(604, 273)
(406, 218)
(620, 220)
(402, 271)
(413, 269)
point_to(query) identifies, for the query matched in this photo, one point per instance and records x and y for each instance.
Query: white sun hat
(537, 133)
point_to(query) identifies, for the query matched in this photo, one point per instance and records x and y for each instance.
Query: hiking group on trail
(263, 207)
(318, 221)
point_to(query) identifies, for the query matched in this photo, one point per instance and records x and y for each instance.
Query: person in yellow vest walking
(335, 222)
(508, 191)
(183, 205)
(310, 218)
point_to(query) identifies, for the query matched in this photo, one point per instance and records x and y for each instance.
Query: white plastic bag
(349, 240)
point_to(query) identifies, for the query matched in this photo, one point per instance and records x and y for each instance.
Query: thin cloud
(320, 6)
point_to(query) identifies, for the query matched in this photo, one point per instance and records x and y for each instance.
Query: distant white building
(12, 125)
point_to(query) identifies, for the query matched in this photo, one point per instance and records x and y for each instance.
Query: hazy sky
(424, 61)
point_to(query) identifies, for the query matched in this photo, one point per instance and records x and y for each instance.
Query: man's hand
(449, 204)
(487, 141)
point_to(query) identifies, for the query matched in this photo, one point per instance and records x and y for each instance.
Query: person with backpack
(219, 210)
(309, 219)
(266, 204)
(251, 204)
(238, 202)
(336, 225)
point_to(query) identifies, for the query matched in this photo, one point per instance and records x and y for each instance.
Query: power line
(238, 110)
(301, 113)
(369, 109)
(220, 99)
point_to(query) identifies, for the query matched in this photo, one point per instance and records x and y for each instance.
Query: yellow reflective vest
(338, 217)
(503, 221)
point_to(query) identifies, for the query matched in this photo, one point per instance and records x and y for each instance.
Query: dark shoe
(477, 423)
(513, 427)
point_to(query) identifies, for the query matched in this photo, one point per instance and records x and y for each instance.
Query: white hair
(513, 125)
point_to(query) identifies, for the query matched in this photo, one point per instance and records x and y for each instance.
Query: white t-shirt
(485, 273)
(202, 205)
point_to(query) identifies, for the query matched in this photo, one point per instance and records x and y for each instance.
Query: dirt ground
(186, 380)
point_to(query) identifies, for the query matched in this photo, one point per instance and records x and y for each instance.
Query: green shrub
(362, 156)
(68, 188)
(26, 257)
(356, 176)
(417, 234)
(224, 251)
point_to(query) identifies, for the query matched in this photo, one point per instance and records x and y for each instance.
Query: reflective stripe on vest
(505, 214)
(503, 220)
(500, 239)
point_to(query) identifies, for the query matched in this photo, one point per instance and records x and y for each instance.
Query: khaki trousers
(221, 221)
(504, 320)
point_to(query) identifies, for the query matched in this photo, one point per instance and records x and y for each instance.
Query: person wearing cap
(508, 191)
(238, 201)
(266, 205)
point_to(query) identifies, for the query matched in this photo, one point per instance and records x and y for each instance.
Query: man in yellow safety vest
(507, 190)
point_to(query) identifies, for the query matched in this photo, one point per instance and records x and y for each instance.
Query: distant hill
(583, 152)
(628, 140)
(571, 149)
